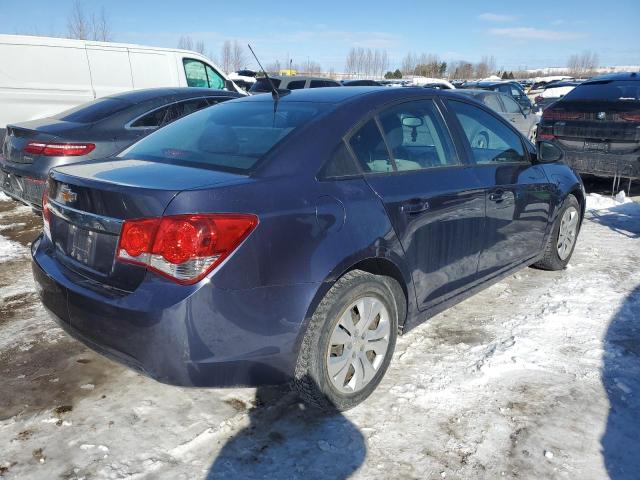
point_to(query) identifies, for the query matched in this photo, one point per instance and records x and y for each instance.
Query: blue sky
(518, 34)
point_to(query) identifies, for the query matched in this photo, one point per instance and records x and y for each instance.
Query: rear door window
(490, 140)
(323, 83)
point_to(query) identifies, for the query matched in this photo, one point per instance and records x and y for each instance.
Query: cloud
(497, 17)
(528, 33)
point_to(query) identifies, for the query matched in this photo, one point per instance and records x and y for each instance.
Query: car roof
(139, 96)
(475, 92)
(298, 77)
(634, 76)
(342, 95)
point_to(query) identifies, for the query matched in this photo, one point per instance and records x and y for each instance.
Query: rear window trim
(128, 125)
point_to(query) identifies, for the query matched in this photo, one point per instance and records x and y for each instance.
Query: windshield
(230, 136)
(608, 91)
(93, 111)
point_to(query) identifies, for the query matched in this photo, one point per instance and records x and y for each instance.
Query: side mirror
(549, 153)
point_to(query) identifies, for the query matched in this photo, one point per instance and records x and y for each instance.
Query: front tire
(349, 341)
(563, 237)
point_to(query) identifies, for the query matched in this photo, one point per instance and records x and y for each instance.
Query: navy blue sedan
(269, 239)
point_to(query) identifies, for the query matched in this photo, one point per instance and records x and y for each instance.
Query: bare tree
(582, 65)
(100, 27)
(238, 57)
(185, 42)
(77, 23)
(199, 47)
(226, 55)
(94, 27)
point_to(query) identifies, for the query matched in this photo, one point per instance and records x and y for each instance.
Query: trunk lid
(603, 126)
(43, 130)
(90, 201)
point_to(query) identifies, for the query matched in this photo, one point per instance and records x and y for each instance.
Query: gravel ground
(536, 377)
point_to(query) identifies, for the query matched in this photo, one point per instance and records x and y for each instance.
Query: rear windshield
(230, 136)
(93, 111)
(262, 85)
(609, 91)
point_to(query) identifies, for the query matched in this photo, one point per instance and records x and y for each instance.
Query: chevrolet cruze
(294, 236)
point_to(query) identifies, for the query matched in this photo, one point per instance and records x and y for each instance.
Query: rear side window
(93, 111)
(609, 91)
(262, 85)
(341, 164)
(296, 84)
(154, 119)
(370, 150)
(232, 137)
(491, 141)
(323, 83)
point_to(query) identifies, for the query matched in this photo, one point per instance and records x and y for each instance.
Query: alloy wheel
(567, 233)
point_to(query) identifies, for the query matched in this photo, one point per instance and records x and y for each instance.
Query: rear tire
(342, 360)
(557, 252)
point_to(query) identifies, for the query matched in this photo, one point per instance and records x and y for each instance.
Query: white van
(42, 76)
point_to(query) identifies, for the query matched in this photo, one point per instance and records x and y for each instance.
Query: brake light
(183, 248)
(554, 114)
(59, 149)
(631, 116)
(46, 213)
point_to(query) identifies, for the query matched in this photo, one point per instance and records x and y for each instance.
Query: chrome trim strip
(86, 220)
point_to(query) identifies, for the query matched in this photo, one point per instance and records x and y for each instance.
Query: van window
(233, 136)
(199, 74)
(93, 111)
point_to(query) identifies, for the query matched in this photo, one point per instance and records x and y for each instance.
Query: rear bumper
(604, 164)
(189, 336)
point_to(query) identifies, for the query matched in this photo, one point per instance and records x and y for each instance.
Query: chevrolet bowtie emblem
(67, 195)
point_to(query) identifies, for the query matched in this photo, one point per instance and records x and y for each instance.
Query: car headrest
(392, 126)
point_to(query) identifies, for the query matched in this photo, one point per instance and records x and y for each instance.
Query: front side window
(416, 136)
(201, 75)
(491, 141)
(231, 137)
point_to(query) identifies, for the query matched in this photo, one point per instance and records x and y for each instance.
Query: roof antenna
(274, 91)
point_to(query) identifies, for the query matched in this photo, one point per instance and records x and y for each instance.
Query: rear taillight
(184, 248)
(46, 213)
(59, 149)
(555, 114)
(631, 116)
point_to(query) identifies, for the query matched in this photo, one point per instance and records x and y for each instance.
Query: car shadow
(621, 380)
(621, 219)
(287, 439)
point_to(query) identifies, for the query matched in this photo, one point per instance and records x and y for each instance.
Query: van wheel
(563, 237)
(349, 341)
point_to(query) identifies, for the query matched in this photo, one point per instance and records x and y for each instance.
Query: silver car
(524, 120)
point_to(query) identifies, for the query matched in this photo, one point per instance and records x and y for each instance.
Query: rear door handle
(415, 206)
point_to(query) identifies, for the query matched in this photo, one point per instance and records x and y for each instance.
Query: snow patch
(596, 201)
(10, 249)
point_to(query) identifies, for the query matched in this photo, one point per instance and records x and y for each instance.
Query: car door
(432, 198)
(513, 113)
(518, 195)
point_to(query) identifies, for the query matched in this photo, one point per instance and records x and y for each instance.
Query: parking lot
(535, 377)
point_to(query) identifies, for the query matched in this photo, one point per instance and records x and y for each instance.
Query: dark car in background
(597, 125)
(554, 91)
(294, 82)
(98, 129)
(505, 105)
(361, 83)
(260, 241)
(511, 88)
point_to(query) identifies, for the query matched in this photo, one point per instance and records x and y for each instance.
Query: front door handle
(496, 197)
(415, 206)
